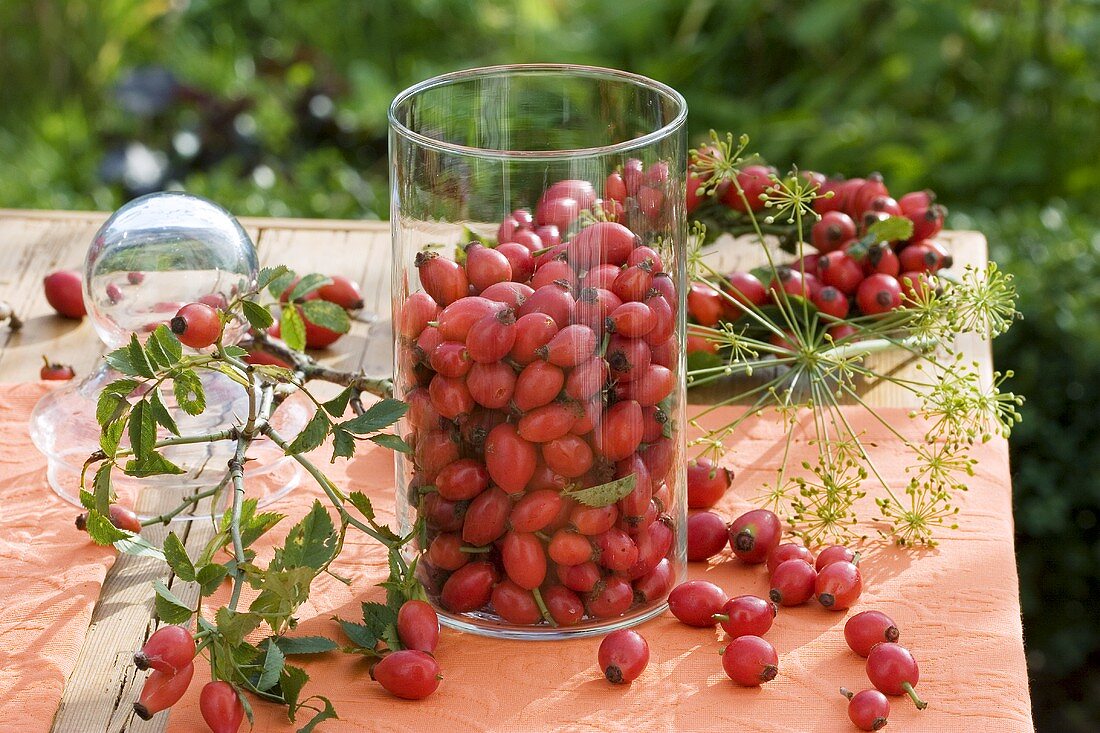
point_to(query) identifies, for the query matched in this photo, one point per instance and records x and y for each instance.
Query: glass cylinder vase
(538, 299)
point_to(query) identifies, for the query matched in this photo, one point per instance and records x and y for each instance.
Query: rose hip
(555, 300)
(524, 560)
(409, 674)
(706, 536)
(463, 479)
(417, 311)
(196, 325)
(570, 455)
(565, 606)
(695, 602)
(612, 599)
(162, 690)
(169, 649)
(469, 587)
(746, 616)
(706, 483)
(754, 535)
(486, 518)
(515, 604)
(492, 337)
(750, 661)
(509, 458)
(836, 553)
(831, 231)
(418, 626)
(65, 293)
(581, 578)
(593, 520)
(868, 628)
(569, 548)
(445, 552)
(490, 385)
(221, 707)
(793, 583)
(838, 585)
(892, 669)
(623, 656)
(533, 331)
(450, 358)
(867, 709)
(788, 551)
(535, 510)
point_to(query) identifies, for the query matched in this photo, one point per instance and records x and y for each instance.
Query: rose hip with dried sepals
(120, 516)
(838, 585)
(343, 292)
(706, 536)
(196, 325)
(162, 690)
(623, 656)
(831, 231)
(892, 669)
(52, 371)
(750, 661)
(878, 294)
(443, 279)
(221, 707)
(409, 674)
(867, 709)
(695, 602)
(746, 615)
(867, 628)
(706, 483)
(169, 649)
(611, 597)
(754, 535)
(793, 583)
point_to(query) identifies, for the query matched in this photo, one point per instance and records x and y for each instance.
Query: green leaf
(291, 645)
(893, 229)
(312, 542)
(153, 464)
(138, 358)
(189, 393)
(170, 609)
(102, 531)
(604, 494)
(291, 683)
(119, 360)
(343, 444)
(280, 282)
(312, 435)
(210, 577)
(393, 442)
(338, 405)
(378, 617)
(111, 437)
(359, 634)
(143, 430)
(274, 660)
(293, 329)
(176, 556)
(101, 487)
(308, 284)
(268, 275)
(360, 501)
(326, 713)
(163, 347)
(137, 546)
(236, 352)
(258, 316)
(112, 403)
(87, 499)
(234, 625)
(326, 315)
(160, 412)
(380, 415)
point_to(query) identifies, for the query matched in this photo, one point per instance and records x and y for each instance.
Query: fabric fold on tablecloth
(957, 606)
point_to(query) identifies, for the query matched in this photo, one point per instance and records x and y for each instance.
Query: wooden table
(33, 243)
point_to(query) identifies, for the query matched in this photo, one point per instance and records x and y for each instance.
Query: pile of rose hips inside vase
(540, 376)
(849, 274)
(797, 576)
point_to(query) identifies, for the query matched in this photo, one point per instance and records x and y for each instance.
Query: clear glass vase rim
(523, 69)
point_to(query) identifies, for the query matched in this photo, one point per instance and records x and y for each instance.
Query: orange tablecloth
(957, 606)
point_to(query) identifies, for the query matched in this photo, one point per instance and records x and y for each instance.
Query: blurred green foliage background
(279, 108)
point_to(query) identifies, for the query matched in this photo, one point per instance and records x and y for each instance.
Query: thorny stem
(256, 402)
(188, 502)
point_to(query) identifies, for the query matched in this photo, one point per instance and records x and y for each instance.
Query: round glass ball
(158, 253)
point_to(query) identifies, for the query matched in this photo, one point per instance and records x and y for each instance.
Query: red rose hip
(696, 602)
(750, 661)
(754, 535)
(623, 656)
(868, 628)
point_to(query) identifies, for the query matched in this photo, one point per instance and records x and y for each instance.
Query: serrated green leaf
(247, 705)
(170, 609)
(235, 351)
(604, 494)
(280, 283)
(293, 329)
(312, 541)
(293, 645)
(234, 625)
(101, 488)
(258, 316)
(119, 360)
(343, 444)
(326, 713)
(892, 229)
(210, 577)
(269, 274)
(326, 315)
(312, 435)
(360, 501)
(109, 407)
(377, 617)
(359, 634)
(163, 348)
(160, 412)
(87, 499)
(153, 464)
(189, 392)
(291, 683)
(274, 660)
(176, 556)
(138, 358)
(393, 442)
(378, 416)
(338, 405)
(143, 429)
(102, 531)
(111, 437)
(137, 546)
(308, 284)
